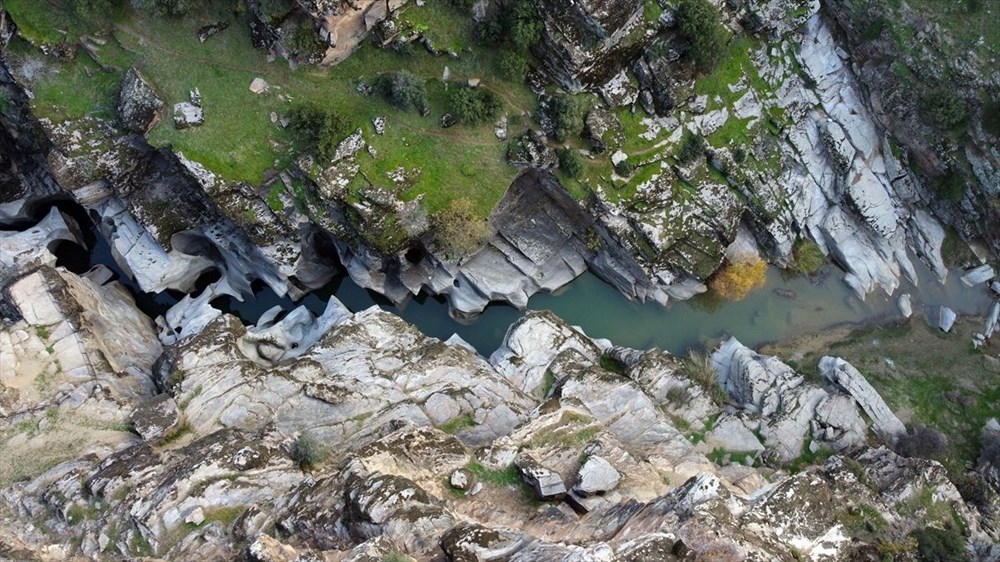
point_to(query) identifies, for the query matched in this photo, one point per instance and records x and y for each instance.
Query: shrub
(308, 451)
(302, 38)
(624, 168)
(698, 367)
(734, 281)
(924, 442)
(692, 146)
(320, 128)
(462, 5)
(807, 257)
(942, 107)
(512, 66)
(567, 115)
(459, 228)
(698, 20)
(939, 545)
(475, 106)
(88, 8)
(402, 89)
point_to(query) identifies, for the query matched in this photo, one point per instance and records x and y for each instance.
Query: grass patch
(506, 477)
(611, 365)
(456, 424)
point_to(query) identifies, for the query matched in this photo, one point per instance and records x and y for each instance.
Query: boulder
(460, 479)
(157, 418)
(904, 305)
(546, 483)
(187, 114)
(850, 380)
(472, 541)
(258, 85)
(946, 318)
(596, 476)
(978, 275)
(138, 105)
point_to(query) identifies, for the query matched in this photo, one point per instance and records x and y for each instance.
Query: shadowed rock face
(138, 104)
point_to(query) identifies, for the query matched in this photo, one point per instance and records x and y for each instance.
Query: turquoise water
(785, 307)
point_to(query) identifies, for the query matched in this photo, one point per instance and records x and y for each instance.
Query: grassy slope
(926, 377)
(238, 139)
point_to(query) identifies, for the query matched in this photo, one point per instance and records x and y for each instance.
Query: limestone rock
(978, 275)
(187, 114)
(846, 377)
(545, 483)
(267, 549)
(258, 85)
(596, 476)
(946, 318)
(138, 104)
(156, 418)
(904, 306)
(460, 480)
(470, 541)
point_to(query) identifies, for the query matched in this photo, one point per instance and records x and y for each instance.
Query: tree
(522, 24)
(734, 281)
(475, 106)
(307, 451)
(570, 162)
(940, 545)
(402, 89)
(460, 228)
(512, 66)
(88, 8)
(567, 113)
(320, 128)
(698, 20)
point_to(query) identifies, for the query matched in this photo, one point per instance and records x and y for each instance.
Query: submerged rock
(946, 318)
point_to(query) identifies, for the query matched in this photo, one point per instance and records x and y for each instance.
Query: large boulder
(596, 476)
(850, 380)
(138, 105)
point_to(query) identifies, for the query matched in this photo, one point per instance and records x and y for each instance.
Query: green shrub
(624, 168)
(512, 66)
(308, 451)
(923, 442)
(402, 89)
(302, 38)
(570, 162)
(88, 8)
(692, 146)
(698, 20)
(461, 5)
(942, 107)
(940, 545)
(488, 32)
(321, 129)
(475, 106)
(807, 257)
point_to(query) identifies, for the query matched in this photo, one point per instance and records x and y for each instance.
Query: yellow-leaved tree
(733, 281)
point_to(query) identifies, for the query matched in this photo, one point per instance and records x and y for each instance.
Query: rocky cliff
(371, 440)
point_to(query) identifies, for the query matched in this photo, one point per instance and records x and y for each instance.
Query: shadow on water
(787, 306)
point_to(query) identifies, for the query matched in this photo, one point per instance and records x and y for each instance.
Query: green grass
(927, 367)
(238, 139)
(506, 477)
(457, 424)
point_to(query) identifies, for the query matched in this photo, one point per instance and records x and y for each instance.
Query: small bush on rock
(991, 118)
(308, 451)
(512, 66)
(734, 281)
(692, 146)
(570, 162)
(923, 442)
(950, 186)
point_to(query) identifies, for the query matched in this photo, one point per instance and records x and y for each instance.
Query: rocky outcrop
(138, 105)
(841, 373)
